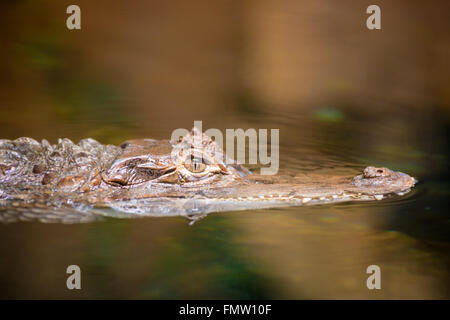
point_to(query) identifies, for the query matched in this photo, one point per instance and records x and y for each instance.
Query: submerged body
(191, 177)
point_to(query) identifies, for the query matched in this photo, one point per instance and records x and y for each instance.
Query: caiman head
(193, 162)
(193, 175)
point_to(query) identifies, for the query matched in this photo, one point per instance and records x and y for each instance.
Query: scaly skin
(70, 182)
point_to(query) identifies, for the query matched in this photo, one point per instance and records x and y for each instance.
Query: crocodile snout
(384, 179)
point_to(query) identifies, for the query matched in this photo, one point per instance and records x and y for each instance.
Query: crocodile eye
(195, 165)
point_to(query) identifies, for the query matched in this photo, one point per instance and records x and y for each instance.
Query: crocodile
(71, 183)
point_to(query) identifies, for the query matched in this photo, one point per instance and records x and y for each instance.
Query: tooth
(305, 200)
(378, 196)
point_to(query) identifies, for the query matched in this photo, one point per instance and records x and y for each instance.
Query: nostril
(124, 145)
(380, 170)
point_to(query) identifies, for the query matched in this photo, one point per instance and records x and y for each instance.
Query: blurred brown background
(151, 66)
